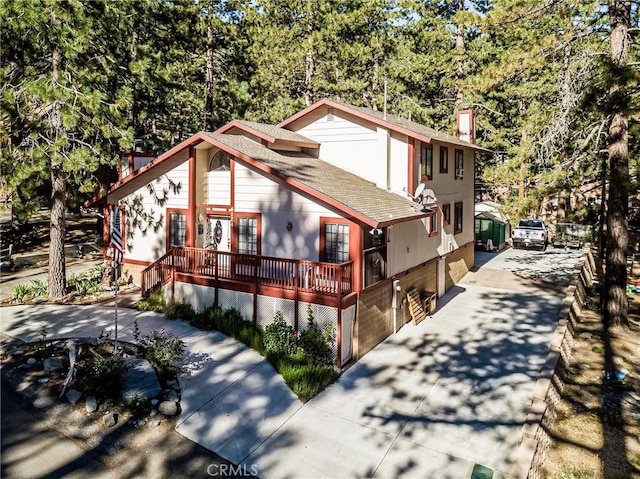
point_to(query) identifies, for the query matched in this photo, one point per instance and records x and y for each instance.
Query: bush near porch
(304, 362)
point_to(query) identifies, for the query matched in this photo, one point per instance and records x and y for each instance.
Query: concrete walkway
(432, 401)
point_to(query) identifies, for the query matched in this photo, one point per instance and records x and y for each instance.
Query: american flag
(116, 241)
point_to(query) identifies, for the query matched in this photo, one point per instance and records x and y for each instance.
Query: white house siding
(346, 346)
(145, 244)
(399, 149)
(409, 246)
(352, 144)
(278, 205)
(200, 297)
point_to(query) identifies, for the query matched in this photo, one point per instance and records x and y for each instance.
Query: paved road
(31, 449)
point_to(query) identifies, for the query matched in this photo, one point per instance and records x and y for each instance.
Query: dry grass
(596, 434)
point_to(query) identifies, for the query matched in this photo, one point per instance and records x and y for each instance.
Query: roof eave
(373, 119)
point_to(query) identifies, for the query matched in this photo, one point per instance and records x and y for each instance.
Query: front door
(219, 233)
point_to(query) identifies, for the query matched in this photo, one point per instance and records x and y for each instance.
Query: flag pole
(115, 344)
(116, 240)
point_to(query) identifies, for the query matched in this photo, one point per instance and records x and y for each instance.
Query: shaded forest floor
(596, 433)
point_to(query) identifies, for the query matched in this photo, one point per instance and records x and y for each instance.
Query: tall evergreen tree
(60, 117)
(616, 303)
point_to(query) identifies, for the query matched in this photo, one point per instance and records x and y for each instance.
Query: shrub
(155, 302)
(163, 350)
(20, 293)
(279, 337)
(179, 310)
(23, 292)
(102, 375)
(315, 343)
(39, 287)
(89, 282)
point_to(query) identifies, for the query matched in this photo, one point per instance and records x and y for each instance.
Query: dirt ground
(597, 430)
(147, 449)
(128, 449)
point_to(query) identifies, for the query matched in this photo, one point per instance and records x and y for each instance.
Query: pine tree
(61, 116)
(616, 303)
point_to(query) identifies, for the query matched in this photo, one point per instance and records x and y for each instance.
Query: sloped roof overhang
(270, 133)
(402, 126)
(167, 161)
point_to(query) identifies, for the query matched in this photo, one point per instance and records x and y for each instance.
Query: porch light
(375, 232)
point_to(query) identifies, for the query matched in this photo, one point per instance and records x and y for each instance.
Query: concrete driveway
(440, 398)
(434, 400)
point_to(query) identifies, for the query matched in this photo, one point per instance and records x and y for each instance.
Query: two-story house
(338, 208)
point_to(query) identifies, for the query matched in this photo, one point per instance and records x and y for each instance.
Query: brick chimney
(466, 125)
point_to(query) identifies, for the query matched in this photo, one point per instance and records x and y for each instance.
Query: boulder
(110, 419)
(168, 408)
(91, 404)
(140, 381)
(73, 396)
(52, 364)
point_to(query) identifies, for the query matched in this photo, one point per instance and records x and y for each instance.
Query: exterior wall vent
(329, 114)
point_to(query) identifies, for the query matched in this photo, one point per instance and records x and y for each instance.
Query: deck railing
(264, 271)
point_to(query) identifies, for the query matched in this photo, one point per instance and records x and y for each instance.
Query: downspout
(394, 303)
(388, 160)
(191, 215)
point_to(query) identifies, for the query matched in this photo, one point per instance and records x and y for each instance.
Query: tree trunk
(57, 267)
(208, 94)
(460, 52)
(616, 304)
(309, 61)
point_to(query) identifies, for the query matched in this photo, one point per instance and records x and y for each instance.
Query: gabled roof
(270, 133)
(392, 122)
(349, 193)
(338, 189)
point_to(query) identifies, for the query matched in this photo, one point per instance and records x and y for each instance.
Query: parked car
(530, 233)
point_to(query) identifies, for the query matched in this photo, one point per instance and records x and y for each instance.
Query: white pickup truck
(530, 233)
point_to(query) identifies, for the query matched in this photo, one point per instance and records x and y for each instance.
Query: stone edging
(548, 388)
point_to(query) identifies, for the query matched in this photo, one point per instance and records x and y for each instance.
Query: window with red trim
(459, 164)
(247, 231)
(426, 162)
(444, 159)
(458, 218)
(446, 214)
(177, 232)
(432, 222)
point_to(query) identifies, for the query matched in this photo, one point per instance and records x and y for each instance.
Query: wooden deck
(299, 276)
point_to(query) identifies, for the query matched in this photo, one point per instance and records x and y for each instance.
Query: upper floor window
(444, 159)
(221, 161)
(458, 218)
(336, 242)
(446, 214)
(426, 163)
(459, 164)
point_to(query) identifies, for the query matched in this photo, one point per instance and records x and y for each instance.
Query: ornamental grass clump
(179, 310)
(154, 302)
